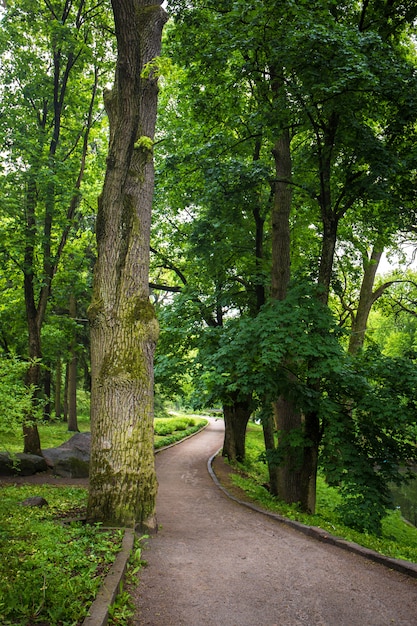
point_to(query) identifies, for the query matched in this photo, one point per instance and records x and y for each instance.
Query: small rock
(34, 501)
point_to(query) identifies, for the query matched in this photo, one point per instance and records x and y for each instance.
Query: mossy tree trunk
(123, 325)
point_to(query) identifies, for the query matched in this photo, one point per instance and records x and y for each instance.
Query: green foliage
(49, 571)
(285, 349)
(171, 430)
(167, 426)
(123, 608)
(15, 397)
(396, 539)
(370, 434)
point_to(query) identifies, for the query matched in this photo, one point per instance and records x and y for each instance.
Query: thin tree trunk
(65, 415)
(124, 329)
(72, 373)
(58, 384)
(366, 300)
(47, 385)
(32, 443)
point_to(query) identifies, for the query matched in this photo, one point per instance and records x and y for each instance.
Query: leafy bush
(15, 397)
(173, 433)
(167, 426)
(370, 434)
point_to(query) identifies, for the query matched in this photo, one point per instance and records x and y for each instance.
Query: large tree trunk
(294, 479)
(236, 416)
(124, 329)
(284, 480)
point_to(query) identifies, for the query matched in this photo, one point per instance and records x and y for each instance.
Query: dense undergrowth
(398, 538)
(50, 572)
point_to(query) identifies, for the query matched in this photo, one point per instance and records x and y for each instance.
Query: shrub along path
(216, 562)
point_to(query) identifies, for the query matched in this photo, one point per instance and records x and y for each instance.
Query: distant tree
(51, 58)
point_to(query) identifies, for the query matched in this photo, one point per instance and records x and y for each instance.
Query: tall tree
(337, 118)
(50, 55)
(124, 329)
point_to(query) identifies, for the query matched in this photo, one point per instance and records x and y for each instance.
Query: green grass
(398, 540)
(54, 433)
(172, 429)
(50, 571)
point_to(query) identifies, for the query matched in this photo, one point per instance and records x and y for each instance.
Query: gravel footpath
(216, 562)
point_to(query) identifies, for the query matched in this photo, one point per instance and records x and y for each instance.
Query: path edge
(98, 614)
(404, 567)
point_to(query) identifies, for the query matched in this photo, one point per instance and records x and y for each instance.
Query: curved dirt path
(216, 562)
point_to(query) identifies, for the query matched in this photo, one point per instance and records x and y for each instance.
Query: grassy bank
(50, 572)
(167, 430)
(398, 539)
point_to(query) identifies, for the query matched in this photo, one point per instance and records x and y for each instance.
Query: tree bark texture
(366, 300)
(236, 416)
(281, 236)
(124, 329)
(294, 479)
(283, 480)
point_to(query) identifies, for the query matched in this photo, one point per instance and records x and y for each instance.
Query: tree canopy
(285, 167)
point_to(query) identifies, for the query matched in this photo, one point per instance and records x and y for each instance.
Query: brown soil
(43, 478)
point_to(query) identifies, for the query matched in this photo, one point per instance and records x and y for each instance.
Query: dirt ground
(216, 562)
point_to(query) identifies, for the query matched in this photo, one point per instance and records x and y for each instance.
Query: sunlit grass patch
(172, 429)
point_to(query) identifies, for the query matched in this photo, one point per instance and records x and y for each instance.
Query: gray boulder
(71, 459)
(21, 464)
